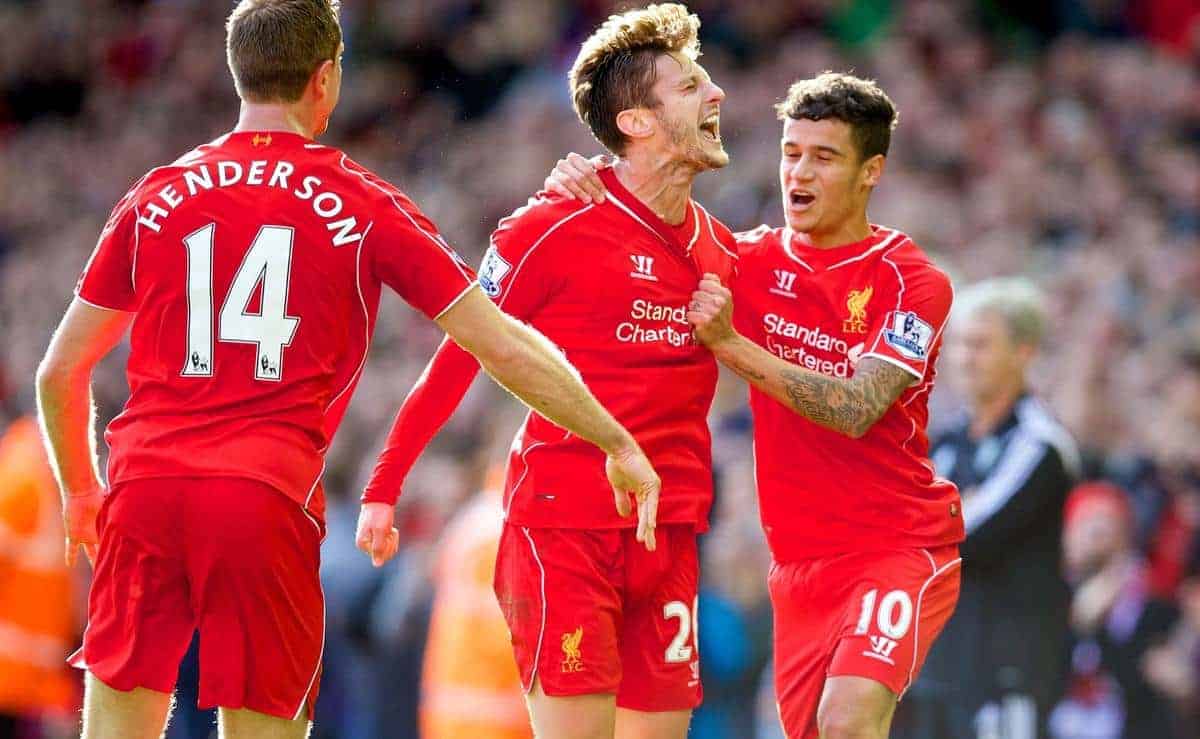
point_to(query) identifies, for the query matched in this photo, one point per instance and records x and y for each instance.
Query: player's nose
(715, 93)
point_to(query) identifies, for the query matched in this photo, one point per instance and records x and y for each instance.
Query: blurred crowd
(1056, 140)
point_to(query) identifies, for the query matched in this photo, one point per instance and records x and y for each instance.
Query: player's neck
(988, 413)
(272, 117)
(665, 187)
(847, 232)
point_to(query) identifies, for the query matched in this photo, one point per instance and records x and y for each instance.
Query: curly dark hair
(853, 100)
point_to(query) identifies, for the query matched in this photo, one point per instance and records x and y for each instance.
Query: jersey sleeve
(107, 280)
(519, 271)
(908, 331)
(411, 257)
(428, 406)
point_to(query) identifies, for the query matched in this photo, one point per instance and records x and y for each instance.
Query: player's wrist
(96, 489)
(622, 445)
(726, 345)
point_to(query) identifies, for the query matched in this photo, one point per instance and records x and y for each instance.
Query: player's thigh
(589, 716)
(109, 713)
(899, 604)
(256, 586)
(652, 725)
(140, 617)
(855, 708)
(807, 621)
(559, 592)
(660, 658)
(235, 723)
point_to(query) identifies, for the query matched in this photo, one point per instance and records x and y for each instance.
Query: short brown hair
(853, 100)
(615, 68)
(273, 46)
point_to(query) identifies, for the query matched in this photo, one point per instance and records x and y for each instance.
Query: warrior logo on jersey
(492, 272)
(643, 267)
(261, 139)
(908, 334)
(572, 658)
(856, 303)
(783, 283)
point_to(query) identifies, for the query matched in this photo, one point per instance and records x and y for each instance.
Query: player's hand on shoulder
(576, 177)
(377, 534)
(711, 311)
(630, 471)
(79, 522)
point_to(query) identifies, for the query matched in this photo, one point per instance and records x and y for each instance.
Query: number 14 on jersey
(268, 264)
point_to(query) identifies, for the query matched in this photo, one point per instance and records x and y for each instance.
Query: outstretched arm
(526, 364)
(67, 415)
(849, 406)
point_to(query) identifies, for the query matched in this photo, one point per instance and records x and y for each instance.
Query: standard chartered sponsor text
(776, 325)
(634, 331)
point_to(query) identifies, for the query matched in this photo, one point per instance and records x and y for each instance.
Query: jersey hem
(457, 299)
(273, 484)
(82, 299)
(897, 362)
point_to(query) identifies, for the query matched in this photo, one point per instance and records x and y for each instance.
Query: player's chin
(800, 222)
(710, 159)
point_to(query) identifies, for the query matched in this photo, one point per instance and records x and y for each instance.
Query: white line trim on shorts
(537, 655)
(917, 629)
(320, 655)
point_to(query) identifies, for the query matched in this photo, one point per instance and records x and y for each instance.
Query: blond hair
(615, 67)
(1016, 300)
(273, 46)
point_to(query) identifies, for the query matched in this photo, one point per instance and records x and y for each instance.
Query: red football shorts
(229, 557)
(591, 611)
(872, 615)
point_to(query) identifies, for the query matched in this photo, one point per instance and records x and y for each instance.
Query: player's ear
(636, 123)
(872, 170)
(322, 79)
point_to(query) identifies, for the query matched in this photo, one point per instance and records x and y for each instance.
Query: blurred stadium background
(1059, 140)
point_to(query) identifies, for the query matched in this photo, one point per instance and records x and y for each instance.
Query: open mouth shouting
(801, 199)
(710, 127)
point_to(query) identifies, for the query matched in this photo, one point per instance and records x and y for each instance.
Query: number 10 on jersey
(268, 263)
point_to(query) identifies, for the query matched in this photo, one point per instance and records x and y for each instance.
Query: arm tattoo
(747, 371)
(849, 406)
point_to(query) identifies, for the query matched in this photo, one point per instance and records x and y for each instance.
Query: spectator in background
(37, 595)
(1115, 622)
(470, 686)
(997, 669)
(1173, 668)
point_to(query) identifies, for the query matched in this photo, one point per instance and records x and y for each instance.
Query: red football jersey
(609, 284)
(820, 492)
(254, 265)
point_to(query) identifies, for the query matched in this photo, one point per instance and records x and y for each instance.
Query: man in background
(470, 686)
(1115, 621)
(37, 598)
(1014, 465)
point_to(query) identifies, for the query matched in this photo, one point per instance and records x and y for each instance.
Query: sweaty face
(985, 358)
(825, 186)
(688, 114)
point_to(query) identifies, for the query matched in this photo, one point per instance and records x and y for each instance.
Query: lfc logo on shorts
(856, 303)
(572, 659)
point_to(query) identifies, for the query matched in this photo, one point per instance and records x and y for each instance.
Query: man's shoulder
(759, 242)
(545, 217)
(900, 256)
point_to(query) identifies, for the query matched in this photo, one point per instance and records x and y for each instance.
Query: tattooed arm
(849, 406)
